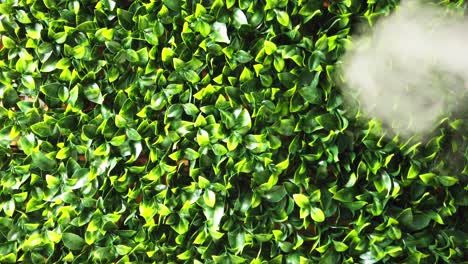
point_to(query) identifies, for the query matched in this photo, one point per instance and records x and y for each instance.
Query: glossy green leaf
(9, 207)
(72, 241)
(317, 214)
(301, 200)
(8, 42)
(282, 17)
(210, 198)
(447, 180)
(41, 161)
(203, 138)
(270, 47)
(220, 33)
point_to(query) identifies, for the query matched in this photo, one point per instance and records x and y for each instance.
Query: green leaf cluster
(179, 131)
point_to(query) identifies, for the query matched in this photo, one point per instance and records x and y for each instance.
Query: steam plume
(411, 69)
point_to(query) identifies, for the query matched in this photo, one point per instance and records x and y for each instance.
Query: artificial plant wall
(182, 131)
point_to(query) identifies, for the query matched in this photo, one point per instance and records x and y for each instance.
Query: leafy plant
(209, 132)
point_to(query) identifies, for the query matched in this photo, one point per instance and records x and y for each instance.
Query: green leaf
(41, 161)
(122, 249)
(203, 27)
(282, 17)
(269, 47)
(190, 109)
(63, 153)
(186, 255)
(220, 33)
(393, 251)
(243, 56)
(203, 182)
(133, 135)
(344, 195)
(23, 17)
(200, 10)
(191, 76)
(167, 54)
(147, 211)
(118, 140)
(29, 82)
(219, 150)
(427, 178)
(200, 239)
(27, 143)
(243, 121)
(33, 241)
(87, 26)
(102, 150)
(203, 138)
(10, 97)
(8, 42)
(233, 141)
(301, 200)
(413, 221)
(24, 66)
(420, 221)
(340, 246)
(173, 4)
(125, 18)
(327, 121)
(246, 75)
(132, 56)
(217, 216)
(287, 79)
(60, 37)
(9, 207)
(210, 198)
(72, 241)
(282, 165)
(285, 127)
(239, 18)
(52, 181)
(93, 93)
(52, 89)
(312, 93)
(129, 129)
(412, 172)
(236, 259)
(447, 180)
(278, 63)
(105, 34)
(351, 181)
(163, 210)
(90, 236)
(8, 258)
(436, 217)
(317, 214)
(191, 154)
(275, 194)
(81, 178)
(182, 226)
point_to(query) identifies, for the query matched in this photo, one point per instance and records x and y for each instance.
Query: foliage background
(210, 132)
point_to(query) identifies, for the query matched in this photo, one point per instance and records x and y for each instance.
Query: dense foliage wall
(179, 131)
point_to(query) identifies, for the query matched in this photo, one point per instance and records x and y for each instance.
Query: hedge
(210, 131)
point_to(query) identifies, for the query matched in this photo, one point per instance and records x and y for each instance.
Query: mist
(411, 69)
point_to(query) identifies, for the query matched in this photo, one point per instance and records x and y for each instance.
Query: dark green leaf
(72, 241)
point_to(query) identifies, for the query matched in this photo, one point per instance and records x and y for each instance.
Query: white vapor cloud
(411, 69)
